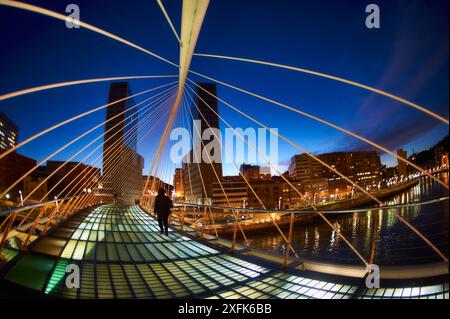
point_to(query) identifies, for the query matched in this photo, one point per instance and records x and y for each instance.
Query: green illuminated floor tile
(31, 271)
(133, 252)
(58, 277)
(68, 250)
(9, 254)
(112, 252)
(120, 283)
(155, 252)
(122, 252)
(122, 255)
(79, 250)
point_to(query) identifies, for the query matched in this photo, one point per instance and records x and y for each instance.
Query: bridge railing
(204, 219)
(201, 218)
(39, 217)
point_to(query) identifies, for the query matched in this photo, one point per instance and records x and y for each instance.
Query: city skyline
(392, 124)
(224, 149)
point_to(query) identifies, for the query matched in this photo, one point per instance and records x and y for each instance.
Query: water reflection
(394, 242)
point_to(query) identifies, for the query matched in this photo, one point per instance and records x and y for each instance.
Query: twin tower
(122, 165)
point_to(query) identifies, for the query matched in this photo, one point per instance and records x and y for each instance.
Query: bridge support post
(84, 200)
(64, 208)
(67, 209)
(202, 231)
(24, 245)
(26, 217)
(182, 218)
(289, 242)
(50, 218)
(211, 217)
(9, 225)
(235, 226)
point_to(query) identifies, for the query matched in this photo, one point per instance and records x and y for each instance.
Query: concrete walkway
(121, 254)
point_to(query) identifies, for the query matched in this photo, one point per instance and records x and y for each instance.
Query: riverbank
(253, 225)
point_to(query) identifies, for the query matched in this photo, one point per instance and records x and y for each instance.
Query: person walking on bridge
(162, 207)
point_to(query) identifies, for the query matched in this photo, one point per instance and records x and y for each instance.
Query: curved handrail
(309, 211)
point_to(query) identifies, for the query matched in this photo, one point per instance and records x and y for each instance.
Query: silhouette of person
(162, 207)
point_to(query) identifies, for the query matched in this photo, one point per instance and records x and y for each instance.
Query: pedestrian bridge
(121, 254)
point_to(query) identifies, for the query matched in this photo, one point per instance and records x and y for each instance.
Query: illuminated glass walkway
(121, 254)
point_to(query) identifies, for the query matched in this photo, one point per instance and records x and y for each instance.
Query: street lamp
(279, 203)
(57, 205)
(21, 197)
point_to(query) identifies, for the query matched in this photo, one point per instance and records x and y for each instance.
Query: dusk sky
(408, 57)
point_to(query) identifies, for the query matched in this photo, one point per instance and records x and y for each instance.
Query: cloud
(410, 71)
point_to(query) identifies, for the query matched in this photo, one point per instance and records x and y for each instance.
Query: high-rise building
(122, 165)
(255, 171)
(249, 171)
(362, 167)
(8, 132)
(62, 184)
(198, 174)
(232, 191)
(12, 167)
(309, 171)
(154, 184)
(402, 166)
(304, 166)
(265, 193)
(35, 186)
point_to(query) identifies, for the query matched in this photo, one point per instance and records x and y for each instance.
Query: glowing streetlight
(21, 197)
(57, 204)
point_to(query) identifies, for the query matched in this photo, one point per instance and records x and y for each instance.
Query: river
(395, 243)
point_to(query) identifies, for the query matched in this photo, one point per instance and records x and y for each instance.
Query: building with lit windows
(178, 182)
(304, 166)
(255, 171)
(310, 172)
(362, 167)
(13, 167)
(8, 132)
(122, 165)
(63, 173)
(236, 192)
(199, 175)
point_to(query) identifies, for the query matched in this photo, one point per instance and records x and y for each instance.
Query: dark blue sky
(408, 56)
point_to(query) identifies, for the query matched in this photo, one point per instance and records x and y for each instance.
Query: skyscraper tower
(122, 165)
(195, 173)
(8, 132)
